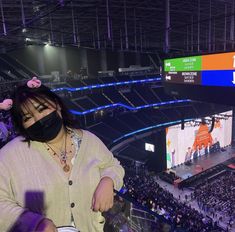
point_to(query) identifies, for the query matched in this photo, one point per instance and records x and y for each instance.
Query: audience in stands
(218, 196)
(7, 132)
(146, 191)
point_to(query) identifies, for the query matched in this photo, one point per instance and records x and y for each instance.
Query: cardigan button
(72, 205)
(70, 182)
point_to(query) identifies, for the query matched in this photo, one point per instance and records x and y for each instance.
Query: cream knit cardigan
(33, 185)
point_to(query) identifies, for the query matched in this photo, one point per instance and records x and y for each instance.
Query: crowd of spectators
(217, 197)
(7, 131)
(146, 191)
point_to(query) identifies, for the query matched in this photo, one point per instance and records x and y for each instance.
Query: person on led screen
(149, 147)
(216, 145)
(173, 157)
(202, 150)
(208, 148)
(188, 154)
(196, 153)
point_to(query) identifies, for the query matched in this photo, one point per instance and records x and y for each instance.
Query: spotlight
(48, 43)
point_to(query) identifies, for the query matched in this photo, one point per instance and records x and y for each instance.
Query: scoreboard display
(208, 78)
(204, 70)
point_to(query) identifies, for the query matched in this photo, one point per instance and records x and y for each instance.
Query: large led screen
(205, 70)
(196, 140)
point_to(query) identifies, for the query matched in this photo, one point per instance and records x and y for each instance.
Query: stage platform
(203, 163)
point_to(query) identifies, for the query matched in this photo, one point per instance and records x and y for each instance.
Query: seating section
(118, 124)
(115, 96)
(108, 80)
(129, 97)
(135, 99)
(105, 80)
(99, 99)
(105, 131)
(162, 95)
(86, 103)
(148, 95)
(217, 195)
(13, 70)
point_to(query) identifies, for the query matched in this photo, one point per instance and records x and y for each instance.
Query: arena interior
(154, 80)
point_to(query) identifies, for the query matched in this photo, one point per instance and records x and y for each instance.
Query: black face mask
(46, 128)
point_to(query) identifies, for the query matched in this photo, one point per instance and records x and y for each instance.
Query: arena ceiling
(140, 25)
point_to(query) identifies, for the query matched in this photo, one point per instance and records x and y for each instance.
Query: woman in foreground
(53, 175)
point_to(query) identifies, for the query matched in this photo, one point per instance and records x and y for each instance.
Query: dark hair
(23, 93)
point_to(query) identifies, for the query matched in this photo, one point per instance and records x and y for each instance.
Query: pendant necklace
(63, 156)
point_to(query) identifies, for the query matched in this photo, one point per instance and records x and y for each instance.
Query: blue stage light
(127, 107)
(157, 79)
